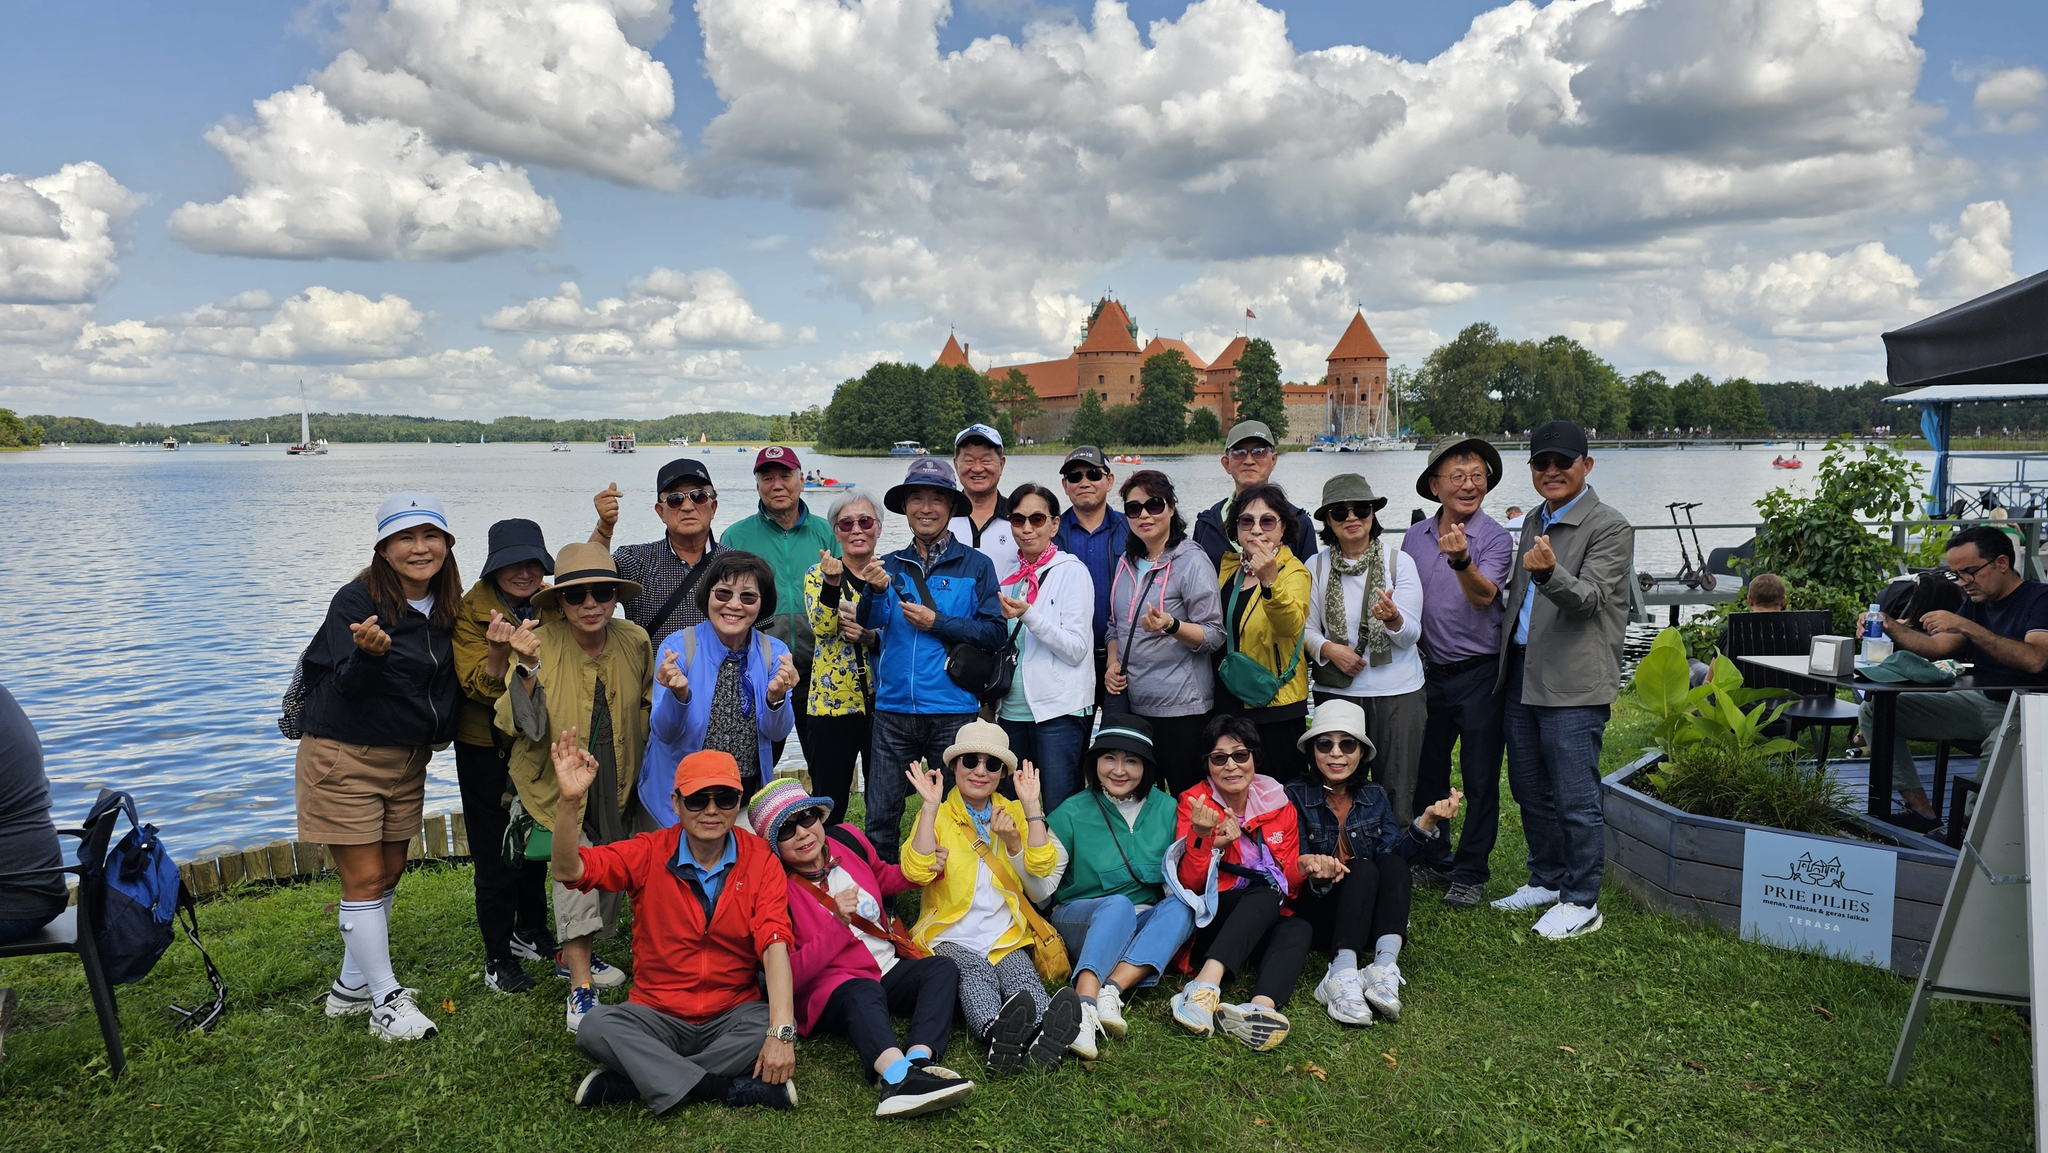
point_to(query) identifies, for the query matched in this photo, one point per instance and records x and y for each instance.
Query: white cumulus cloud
(1976, 254)
(58, 233)
(2011, 99)
(317, 325)
(664, 309)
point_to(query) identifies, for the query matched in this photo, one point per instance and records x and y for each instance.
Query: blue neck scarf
(739, 657)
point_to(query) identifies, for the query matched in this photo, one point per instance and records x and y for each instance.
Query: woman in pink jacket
(853, 963)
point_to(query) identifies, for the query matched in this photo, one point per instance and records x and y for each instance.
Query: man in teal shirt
(788, 537)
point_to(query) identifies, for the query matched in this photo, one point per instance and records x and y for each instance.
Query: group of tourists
(1140, 750)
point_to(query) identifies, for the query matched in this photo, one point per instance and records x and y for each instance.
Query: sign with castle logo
(1810, 893)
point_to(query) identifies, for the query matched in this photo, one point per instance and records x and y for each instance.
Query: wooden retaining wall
(444, 837)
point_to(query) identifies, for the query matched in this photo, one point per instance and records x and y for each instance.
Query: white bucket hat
(1338, 715)
(403, 510)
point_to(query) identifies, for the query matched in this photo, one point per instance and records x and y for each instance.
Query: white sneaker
(1565, 921)
(582, 999)
(1527, 897)
(397, 1018)
(1083, 1044)
(1383, 990)
(1109, 1009)
(1342, 997)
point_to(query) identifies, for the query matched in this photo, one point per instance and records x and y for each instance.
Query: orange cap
(706, 769)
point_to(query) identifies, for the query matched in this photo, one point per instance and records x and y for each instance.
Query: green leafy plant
(1712, 713)
(1819, 539)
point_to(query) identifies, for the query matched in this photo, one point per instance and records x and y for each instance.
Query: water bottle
(1876, 645)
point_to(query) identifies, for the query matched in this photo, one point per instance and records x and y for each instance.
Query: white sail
(305, 417)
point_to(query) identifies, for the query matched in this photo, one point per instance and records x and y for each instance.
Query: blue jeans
(1554, 773)
(1054, 747)
(22, 928)
(897, 740)
(1102, 931)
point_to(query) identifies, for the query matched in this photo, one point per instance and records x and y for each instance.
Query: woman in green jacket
(1111, 912)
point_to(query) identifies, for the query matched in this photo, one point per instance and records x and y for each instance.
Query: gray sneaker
(1464, 895)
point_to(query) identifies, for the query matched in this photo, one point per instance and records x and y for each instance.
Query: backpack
(140, 897)
(1908, 598)
(293, 707)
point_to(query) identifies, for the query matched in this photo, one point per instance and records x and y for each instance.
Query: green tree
(1457, 382)
(1741, 407)
(1167, 386)
(18, 433)
(778, 429)
(1091, 423)
(1203, 427)
(1694, 403)
(1649, 402)
(971, 388)
(1016, 398)
(1257, 392)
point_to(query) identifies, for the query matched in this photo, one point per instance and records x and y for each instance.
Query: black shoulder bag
(985, 674)
(675, 598)
(1117, 704)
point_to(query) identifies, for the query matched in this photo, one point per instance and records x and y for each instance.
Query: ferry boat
(620, 442)
(906, 448)
(170, 444)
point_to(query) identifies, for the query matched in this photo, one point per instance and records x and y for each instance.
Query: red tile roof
(1227, 359)
(952, 354)
(1050, 379)
(1161, 344)
(1111, 331)
(1358, 341)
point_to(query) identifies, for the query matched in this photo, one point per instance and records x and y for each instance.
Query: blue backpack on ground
(140, 897)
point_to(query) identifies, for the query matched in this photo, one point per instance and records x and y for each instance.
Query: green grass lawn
(1655, 1033)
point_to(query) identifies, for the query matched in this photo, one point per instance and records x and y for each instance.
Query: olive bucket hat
(1471, 444)
(1348, 488)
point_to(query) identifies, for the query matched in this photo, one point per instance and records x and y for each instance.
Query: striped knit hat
(777, 801)
(1128, 732)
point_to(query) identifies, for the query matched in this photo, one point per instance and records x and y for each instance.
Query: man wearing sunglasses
(710, 921)
(787, 535)
(1093, 533)
(1249, 460)
(1560, 671)
(665, 570)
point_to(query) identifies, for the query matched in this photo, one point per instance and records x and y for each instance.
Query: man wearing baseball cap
(1093, 532)
(978, 460)
(786, 535)
(1248, 457)
(1560, 670)
(666, 570)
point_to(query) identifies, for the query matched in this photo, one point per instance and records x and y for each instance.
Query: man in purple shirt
(1463, 556)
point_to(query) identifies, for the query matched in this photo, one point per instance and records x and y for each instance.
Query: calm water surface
(155, 601)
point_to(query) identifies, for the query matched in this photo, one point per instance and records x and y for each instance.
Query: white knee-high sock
(1387, 950)
(352, 973)
(366, 932)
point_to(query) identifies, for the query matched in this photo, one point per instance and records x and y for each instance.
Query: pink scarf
(1027, 571)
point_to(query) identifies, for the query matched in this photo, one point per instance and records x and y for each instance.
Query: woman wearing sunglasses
(1049, 606)
(852, 963)
(585, 671)
(1364, 623)
(1265, 592)
(1354, 863)
(1234, 862)
(1165, 619)
(727, 683)
(983, 860)
(842, 694)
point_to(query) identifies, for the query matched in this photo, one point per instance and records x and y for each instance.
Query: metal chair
(1724, 561)
(1787, 634)
(1942, 749)
(71, 932)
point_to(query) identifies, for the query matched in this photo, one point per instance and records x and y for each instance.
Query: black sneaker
(753, 1091)
(1465, 895)
(606, 1087)
(507, 975)
(537, 945)
(1058, 1029)
(1010, 1034)
(1905, 818)
(923, 1090)
(1429, 877)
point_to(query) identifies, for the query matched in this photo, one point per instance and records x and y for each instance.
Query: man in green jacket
(788, 537)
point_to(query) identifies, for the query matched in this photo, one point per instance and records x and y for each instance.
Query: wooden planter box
(1692, 865)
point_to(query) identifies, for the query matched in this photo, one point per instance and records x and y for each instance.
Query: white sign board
(1808, 893)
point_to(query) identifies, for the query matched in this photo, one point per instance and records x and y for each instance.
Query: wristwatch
(783, 1033)
(1461, 565)
(528, 673)
(1174, 628)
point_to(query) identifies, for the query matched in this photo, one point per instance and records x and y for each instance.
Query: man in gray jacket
(1561, 670)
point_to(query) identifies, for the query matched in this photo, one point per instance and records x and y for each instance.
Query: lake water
(156, 601)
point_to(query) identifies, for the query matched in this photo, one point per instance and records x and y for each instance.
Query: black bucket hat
(1478, 446)
(1123, 732)
(516, 540)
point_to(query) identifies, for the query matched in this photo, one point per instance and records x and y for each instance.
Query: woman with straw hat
(1364, 622)
(583, 672)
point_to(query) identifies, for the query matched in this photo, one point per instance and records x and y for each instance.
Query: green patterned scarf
(1373, 640)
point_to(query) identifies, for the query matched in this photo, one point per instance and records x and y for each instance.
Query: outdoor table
(1885, 710)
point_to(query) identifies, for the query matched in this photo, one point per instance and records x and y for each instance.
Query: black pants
(1278, 756)
(1363, 906)
(1179, 752)
(507, 896)
(799, 701)
(1248, 929)
(834, 744)
(923, 990)
(1466, 712)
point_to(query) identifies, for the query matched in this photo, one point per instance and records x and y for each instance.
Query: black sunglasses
(1241, 756)
(980, 762)
(1345, 510)
(795, 821)
(693, 496)
(1035, 519)
(724, 593)
(1155, 505)
(719, 795)
(1553, 462)
(601, 593)
(1075, 476)
(1345, 745)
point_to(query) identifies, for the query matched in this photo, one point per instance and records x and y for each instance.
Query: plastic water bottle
(1876, 645)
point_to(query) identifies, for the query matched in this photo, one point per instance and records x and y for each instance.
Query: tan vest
(568, 682)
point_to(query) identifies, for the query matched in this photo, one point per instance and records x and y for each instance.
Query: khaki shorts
(360, 794)
(591, 914)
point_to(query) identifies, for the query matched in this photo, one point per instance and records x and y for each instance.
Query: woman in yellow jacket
(980, 859)
(1265, 608)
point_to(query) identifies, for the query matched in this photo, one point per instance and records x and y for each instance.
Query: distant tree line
(18, 433)
(360, 427)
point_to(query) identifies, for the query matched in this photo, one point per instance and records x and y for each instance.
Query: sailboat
(307, 446)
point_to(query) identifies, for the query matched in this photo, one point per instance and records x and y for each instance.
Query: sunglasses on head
(795, 821)
(725, 798)
(980, 762)
(1339, 513)
(724, 593)
(1076, 475)
(601, 593)
(1241, 756)
(1034, 519)
(1153, 506)
(1345, 745)
(693, 496)
(850, 523)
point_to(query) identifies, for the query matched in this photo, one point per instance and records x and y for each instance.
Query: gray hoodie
(1167, 679)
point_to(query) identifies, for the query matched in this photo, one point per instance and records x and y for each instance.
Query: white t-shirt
(881, 948)
(425, 604)
(997, 543)
(987, 919)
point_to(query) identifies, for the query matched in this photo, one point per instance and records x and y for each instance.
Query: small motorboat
(1787, 462)
(825, 484)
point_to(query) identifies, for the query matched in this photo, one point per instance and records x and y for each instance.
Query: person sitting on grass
(977, 901)
(1116, 830)
(710, 917)
(1354, 865)
(852, 963)
(1766, 593)
(1234, 862)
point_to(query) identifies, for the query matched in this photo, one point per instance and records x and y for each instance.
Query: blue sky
(1723, 186)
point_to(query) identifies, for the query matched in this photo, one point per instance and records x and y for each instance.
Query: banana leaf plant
(1714, 714)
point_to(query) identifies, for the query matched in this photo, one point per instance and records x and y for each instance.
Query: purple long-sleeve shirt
(1452, 630)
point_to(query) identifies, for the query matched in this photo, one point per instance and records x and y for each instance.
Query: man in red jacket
(710, 912)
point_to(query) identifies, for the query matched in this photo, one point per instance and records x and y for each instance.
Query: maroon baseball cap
(777, 455)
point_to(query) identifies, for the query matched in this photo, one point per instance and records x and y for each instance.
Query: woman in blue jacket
(728, 685)
(1354, 865)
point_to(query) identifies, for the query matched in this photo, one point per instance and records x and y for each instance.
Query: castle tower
(1109, 359)
(1357, 380)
